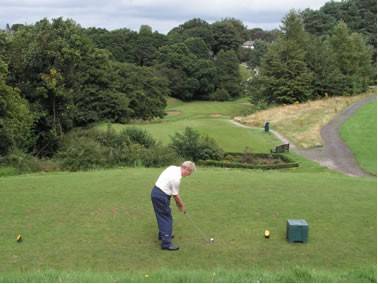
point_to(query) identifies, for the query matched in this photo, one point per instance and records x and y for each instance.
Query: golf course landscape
(238, 144)
(99, 225)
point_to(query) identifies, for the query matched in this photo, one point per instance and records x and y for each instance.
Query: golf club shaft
(198, 229)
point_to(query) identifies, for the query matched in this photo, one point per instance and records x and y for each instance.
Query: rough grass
(301, 123)
(360, 132)
(74, 224)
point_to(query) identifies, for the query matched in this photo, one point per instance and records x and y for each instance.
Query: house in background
(248, 44)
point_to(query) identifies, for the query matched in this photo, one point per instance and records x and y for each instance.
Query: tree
(322, 62)
(145, 89)
(229, 78)
(178, 64)
(198, 47)
(284, 76)
(122, 43)
(359, 15)
(353, 58)
(228, 34)
(16, 119)
(196, 28)
(257, 53)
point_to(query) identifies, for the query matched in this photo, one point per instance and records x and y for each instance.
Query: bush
(26, 163)
(82, 153)
(249, 160)
(159, 155)
(192, 146)
(220, 95)
(138, 136)
(132, 147)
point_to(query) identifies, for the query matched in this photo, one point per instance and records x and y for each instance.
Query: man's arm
(180, 204)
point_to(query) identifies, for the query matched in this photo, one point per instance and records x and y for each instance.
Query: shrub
(132, 147)
(82, 153)
(220, 95)
(139, 136)
(26, 163)
(159, 155)
(192, 146)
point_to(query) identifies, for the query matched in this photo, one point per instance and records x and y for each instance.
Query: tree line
(56, 75)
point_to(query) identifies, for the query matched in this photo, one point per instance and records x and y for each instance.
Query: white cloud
(161, 15)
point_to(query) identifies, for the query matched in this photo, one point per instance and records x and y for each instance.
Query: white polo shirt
(169, 180)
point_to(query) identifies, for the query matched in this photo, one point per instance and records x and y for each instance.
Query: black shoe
(171, 247)
(159, 238)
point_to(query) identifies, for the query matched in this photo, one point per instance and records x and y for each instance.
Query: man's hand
(183, 209)
(180, 204)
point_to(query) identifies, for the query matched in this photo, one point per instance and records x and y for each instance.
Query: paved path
(334, 154)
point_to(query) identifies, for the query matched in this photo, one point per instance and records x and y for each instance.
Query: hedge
(289, 163)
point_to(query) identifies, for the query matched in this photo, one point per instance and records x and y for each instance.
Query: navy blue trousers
(161, 202)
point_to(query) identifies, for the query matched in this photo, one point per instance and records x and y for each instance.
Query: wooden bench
(281, 148)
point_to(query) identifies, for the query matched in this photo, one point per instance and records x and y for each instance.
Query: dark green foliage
(198, 47)
(352, 57)
(98, 149)
(260, 34)
(122, 43)
(147, 46)
(298, 67)
(178, 64)
(158, 156)
(248, 160)
(321, 60)
(145, 90)
(192, 146)
(359, 15)
(21, 163)
(228, 34)
(15, 117)
(128, 46)
(284, 76)
(220, 95)
(228, 72)
(196, 28)
(138, 136)
(257, 53)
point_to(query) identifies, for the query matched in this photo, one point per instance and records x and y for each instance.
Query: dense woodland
(56, 76)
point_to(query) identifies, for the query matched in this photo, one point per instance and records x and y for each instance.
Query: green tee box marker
(297, 231)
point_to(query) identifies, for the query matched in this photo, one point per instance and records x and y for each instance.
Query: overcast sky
(161, 15)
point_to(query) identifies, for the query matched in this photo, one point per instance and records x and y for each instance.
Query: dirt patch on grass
(173, 112)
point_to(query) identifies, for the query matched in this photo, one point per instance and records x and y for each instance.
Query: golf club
(211, 240)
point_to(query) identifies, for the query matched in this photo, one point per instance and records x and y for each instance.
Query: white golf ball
(211, 239)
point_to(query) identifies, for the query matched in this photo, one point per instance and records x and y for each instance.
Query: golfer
(168, 185)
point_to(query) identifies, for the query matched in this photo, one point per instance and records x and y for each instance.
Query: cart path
(334, 153)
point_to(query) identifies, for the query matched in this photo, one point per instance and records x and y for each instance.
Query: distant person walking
(166, 186)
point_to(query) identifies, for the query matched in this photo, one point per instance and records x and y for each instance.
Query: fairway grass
(230, 137)
(208, 118)
(360, 132)
(99, 226)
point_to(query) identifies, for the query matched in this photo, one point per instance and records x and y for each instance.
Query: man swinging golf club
(168, 185)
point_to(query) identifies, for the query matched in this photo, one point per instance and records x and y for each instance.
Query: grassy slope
(360, 132)
(103, 221)
(301, 123)
(210, 118)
